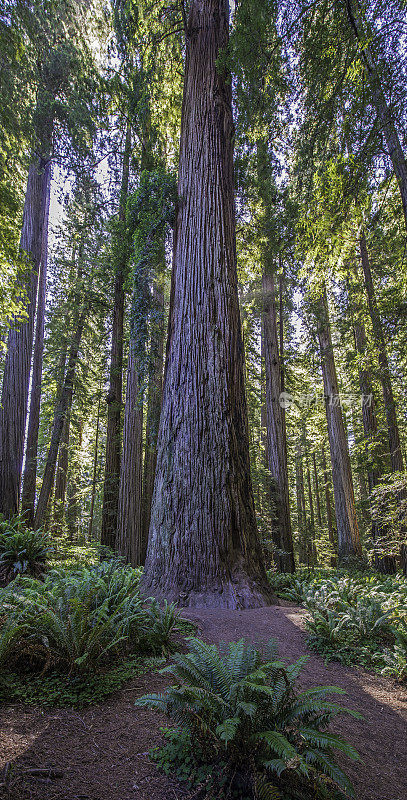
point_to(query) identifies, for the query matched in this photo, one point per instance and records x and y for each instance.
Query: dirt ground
(101, 753)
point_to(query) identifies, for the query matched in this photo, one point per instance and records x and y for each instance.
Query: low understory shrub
(76, 690)
(22, 551)
(77, 621)
(244, 731)
(359, 618)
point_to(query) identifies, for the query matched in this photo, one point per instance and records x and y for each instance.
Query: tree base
(240, 592)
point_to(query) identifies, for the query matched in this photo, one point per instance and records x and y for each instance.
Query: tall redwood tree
(203, 545)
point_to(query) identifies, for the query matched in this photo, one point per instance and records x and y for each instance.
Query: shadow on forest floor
(103, 750)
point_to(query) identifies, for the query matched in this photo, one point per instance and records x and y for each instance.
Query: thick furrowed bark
(203, 544)
(348, 532)
(16, 377)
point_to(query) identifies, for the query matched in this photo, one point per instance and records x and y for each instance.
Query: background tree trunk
(328, 504)
(384, 115)
(203, 544)
(60, 412)
(30, 469)
(114, 397)
(95, 468)
(153, 411)
(61, 474)
(276, 434)
(311, 526)
(396, 455)
(130, 544)
(316, 483)
(17, 368)
(348, 532)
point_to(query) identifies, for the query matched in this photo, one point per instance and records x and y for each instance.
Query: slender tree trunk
(73, 510)
(30, 470)
(328, 503)
(396, 455)
(300, 523)
(266, 489)
(313, 549)
(276, 434)
(384, 114)
(61, 476)
(16, 377)
(316, 482)
(153, 412)
(203, 543)
(369, 419)
(95, 469)
(114, 397)
(348, 532)
(60, 412)
(301, 510)
(130, 543)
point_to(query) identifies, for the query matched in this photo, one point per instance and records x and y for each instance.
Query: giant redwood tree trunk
(30, 469)
(114, 397)
(276, 433)
(16, 377)
(130, 542)
(348, 532)
(203, 543)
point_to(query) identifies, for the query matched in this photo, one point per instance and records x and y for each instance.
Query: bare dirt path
(103, 750)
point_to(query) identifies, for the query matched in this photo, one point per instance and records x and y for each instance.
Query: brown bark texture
(316, 486)
(203, 544)
(95, 469)
(17, 368)
(276, 432)
(114, 397)
(154, 400)
(328, 503)
(30, 469)
(129, 543)
(348, 532)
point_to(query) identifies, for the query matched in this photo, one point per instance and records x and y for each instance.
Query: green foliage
(22, 551)
(81, 620)
(243, 725)
(359, 618)
(389, 510)
(395, 660)
(76, 691)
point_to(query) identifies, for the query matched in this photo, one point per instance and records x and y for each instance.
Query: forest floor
(101, 752)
